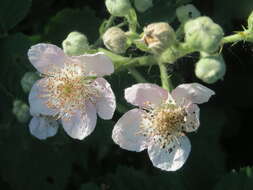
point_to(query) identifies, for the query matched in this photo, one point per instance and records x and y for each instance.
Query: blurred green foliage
(222, 143)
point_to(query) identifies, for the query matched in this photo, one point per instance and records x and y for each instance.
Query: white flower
(161, 121)
(71, 91)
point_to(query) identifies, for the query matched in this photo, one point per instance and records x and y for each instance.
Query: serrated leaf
(69, 20)
(12, 12)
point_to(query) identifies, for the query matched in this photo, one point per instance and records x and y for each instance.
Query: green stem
(122, 63)
(110, 21)
(240, 36)
(138, 76)
(165, 79)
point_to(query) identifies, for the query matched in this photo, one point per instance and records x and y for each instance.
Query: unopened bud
(210, 69)
(75, 44)
(118, 8)
(187, 12)
(28, 80)
(115, 40)
(158, 36)
(143, 5)
(250, 21)
(21, 111)
(202, 34)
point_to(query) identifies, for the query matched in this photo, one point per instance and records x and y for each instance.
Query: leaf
(69, 20)
(237, 180)
(11, 13)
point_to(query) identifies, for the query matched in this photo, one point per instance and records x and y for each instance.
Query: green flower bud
(210, 69)
(159, 36)
(187, 12)
(75, 44)
(28, 80)
(250, 21)
(202, 34)
(115, 40)
(143, 5)
(21, 111)
(118, 8)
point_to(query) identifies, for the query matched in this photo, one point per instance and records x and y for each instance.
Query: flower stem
(240, 36)
(138, 76)
(165, 79)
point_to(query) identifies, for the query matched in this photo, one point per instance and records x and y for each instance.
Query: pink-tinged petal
(192, 92)
(38, 99)
(105, 103)
(46, 57)
(143, 93)
(95, 64)
(126, 132)
(43, 127)
(172, 157)
(81, 124)
(192, 119)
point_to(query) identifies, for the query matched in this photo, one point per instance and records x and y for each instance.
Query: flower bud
(75, 44)
(115, 40)
(250, 21)
(210, 69)
(118, 8)
(28, 80)
(21, 111)
(202, 34)
(143, 5)
(187, 12)
(158, 36)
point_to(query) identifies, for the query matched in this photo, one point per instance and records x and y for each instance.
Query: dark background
(220, 149)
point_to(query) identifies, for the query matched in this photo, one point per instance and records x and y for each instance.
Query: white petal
(43, 127)
(37, 100)
(96, 64)
(106, 103)
(80, 125)
(172, 157)
(46, 57)
(140, 94)
(192, 92)
(126, 132)
(192, 119)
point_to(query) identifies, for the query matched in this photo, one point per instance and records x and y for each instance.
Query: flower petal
(192, 92)
(81, 124)
(96, 64)
(126, 131)
(192, 119)
(38, 100)
(172, 157)
(106, 103)
(46, 57)
(143, 93)
(43, 127)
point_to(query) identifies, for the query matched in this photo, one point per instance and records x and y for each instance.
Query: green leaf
(69, 20)
(11, 13)
(242, 180)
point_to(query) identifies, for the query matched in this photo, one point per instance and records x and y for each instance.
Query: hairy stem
(138, 76)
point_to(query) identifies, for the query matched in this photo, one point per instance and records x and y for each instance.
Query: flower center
(164, 123)
(68, 90)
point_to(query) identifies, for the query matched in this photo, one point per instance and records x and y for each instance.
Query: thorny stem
(245, 35)
(165, 79)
